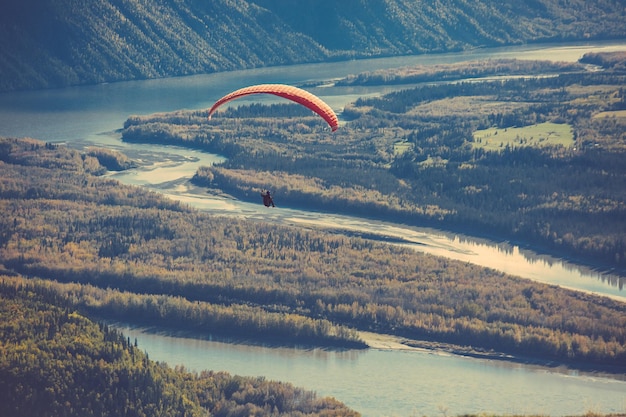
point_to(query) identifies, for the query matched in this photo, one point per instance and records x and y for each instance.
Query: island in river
(426, 155)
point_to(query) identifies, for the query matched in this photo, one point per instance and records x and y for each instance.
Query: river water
(376, 382)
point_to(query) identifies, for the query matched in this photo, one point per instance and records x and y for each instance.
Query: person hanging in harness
(267, 199)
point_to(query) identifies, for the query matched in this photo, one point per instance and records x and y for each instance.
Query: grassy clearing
(544, 134)
(401, 147)
(618, 115)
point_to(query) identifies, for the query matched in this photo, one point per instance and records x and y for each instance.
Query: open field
(618, 115)
(538, 135)
(401, 147)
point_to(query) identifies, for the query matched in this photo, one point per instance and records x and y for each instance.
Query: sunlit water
(380, 382)
(172, 167)
(376, 382)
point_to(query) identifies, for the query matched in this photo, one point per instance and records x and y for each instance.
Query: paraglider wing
(296, 94)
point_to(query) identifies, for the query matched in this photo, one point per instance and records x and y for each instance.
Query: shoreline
(585, 263)
(387, 342)
(381, 341)
(189, 191)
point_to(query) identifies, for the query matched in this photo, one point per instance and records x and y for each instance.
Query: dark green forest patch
(48, 44)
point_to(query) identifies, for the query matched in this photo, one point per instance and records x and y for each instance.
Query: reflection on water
(400, 383)
(167, 170)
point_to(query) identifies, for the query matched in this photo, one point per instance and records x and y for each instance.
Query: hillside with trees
(402, 27)
(46, 44)
(56, 362)
(114, 252)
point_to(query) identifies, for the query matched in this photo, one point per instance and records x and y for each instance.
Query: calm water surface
(376, 382)
(380, 382)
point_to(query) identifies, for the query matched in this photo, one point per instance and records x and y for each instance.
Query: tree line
(462, 71)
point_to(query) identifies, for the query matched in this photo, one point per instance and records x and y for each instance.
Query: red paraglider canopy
(296, 94)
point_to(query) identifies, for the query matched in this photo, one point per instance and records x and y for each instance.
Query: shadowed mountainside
(49, 43)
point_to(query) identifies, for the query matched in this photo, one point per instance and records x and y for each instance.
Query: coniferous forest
(525, 151)
(50, 43)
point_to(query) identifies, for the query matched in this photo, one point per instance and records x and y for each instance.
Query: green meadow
(538, 135)
(401, 147)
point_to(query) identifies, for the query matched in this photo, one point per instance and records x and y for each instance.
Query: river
(375, 382)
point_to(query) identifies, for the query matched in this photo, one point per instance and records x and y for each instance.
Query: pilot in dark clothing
(267, 199)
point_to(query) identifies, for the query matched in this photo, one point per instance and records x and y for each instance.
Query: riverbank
(517, 257)
(391, 342)
(381, 342)
(378, 341)
(381, 382)
(511, 257)
(477, 193)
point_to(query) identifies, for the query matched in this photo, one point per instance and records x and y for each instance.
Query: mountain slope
(48, 43)
(415, 26)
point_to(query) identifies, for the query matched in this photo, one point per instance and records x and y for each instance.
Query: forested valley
(535, 155)
(110, 251)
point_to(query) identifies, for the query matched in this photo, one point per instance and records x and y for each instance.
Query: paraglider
(267, 199)
(295, 94)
